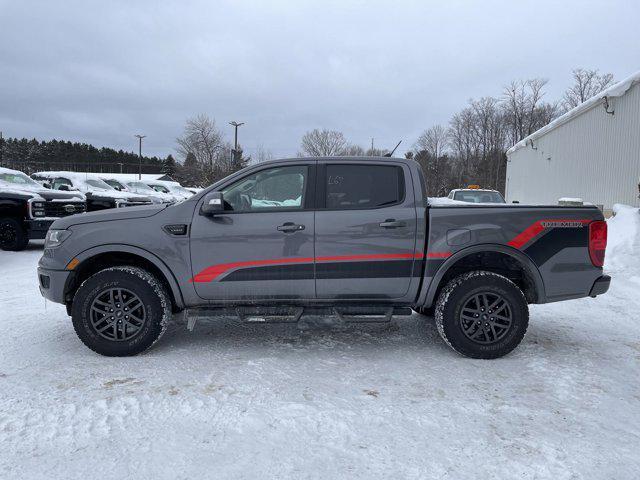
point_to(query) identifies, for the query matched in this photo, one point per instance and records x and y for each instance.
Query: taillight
(597, 242)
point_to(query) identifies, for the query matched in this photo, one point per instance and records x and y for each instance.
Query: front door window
(274, 189)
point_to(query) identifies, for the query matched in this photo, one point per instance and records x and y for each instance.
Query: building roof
(617, 90)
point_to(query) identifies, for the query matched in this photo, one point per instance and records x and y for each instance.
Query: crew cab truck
(353, 237)
(100, 195)
(27, 209)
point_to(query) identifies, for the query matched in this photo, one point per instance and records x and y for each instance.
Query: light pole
(235, 143)
(140, 137)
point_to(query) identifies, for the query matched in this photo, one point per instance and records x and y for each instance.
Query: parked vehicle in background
(171, 188)
(194, 190)
(353, 237)
(27, 209)
(100, 195)
(475, 194)
(141, 188)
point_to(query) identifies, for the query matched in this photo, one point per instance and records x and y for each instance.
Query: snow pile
(444, 201)
(623, 242)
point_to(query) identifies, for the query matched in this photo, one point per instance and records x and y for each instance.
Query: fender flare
(428, 296)
(156, 261)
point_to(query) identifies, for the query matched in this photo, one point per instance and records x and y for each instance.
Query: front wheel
(13, 236)
(121, 311)
(482, 315)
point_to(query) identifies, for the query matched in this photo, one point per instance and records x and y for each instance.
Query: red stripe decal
(439, 254)
(536, 229)
(213, 272)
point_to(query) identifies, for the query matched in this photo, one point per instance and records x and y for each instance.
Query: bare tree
(353, 150)
(433, 140)
(587, 83)
(206, 156)
(202, 139)
(430, 148)
(262, 154)
(323, 143)
(524, 108)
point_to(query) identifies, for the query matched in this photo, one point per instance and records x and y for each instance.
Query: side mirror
(64, 188)
(213, 203)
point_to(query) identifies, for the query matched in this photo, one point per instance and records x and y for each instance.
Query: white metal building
(591, 152)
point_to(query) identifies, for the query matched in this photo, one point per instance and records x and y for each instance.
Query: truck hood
(132, 197)
(108, 215)
(41, 193)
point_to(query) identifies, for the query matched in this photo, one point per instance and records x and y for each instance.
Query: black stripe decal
(299, 271)
(325, 271)
(556, 240)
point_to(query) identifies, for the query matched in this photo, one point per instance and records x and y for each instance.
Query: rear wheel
(482, 315)
(121, 311)
(13, 235)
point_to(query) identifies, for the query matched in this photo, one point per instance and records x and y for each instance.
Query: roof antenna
(390, 154)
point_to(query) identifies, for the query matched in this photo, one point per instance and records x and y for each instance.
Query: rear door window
(352, 186)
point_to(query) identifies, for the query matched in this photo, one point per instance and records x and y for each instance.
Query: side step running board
(296, 314)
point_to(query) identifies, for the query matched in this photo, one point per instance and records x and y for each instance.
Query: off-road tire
(149, 290)
(457, 293)
(16, 238)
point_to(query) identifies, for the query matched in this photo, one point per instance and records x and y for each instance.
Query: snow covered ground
(237, 401)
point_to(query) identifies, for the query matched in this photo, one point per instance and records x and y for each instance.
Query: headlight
(56, 237)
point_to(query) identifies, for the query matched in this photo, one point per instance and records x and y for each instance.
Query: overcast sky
(100, 72)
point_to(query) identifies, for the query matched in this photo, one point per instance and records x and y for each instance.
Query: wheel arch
(456, 264)
(105, 256)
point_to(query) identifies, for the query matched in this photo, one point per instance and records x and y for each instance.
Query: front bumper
(600, 286)
(52, 284)
(37, 229)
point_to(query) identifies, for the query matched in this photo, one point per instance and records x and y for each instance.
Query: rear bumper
(52, 284)
(600, 286)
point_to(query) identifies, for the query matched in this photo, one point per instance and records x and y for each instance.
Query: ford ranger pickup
(288, 240)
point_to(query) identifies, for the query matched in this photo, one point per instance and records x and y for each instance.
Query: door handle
(289, 227)
(392, 223)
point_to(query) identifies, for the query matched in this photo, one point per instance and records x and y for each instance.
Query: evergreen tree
(169, 166)
(190, 161)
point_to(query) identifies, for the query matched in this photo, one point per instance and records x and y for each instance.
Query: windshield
(478, 196)
(160, 188)
(140, 186)
(18, 178)
(115, 184)
(96, 183)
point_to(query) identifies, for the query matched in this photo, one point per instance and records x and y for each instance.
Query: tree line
(471, 148)
(33, 155)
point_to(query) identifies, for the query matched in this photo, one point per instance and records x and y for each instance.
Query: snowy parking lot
(268, 401)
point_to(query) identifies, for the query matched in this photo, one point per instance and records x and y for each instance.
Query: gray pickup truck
(288, 240)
